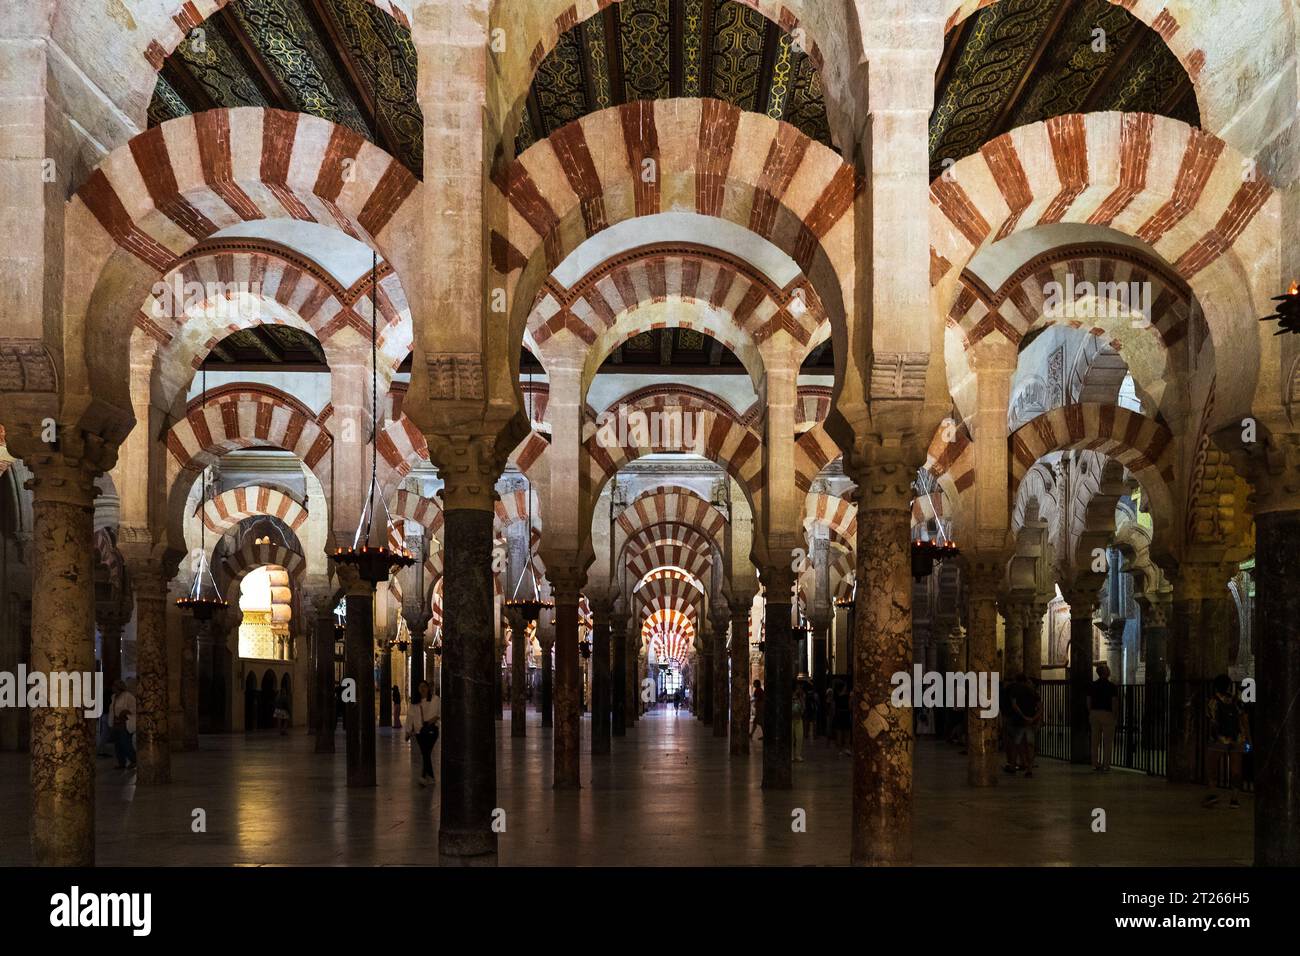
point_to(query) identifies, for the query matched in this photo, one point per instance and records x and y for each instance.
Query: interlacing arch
(587, 177)
(669, 547)
(838, 515)
(150, 202)
(814, 449)
(401, 446)
(1182, 191)
(224, 511)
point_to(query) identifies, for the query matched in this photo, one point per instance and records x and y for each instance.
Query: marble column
(567, 741)
(1114, 645)
(498, 671)
(881, 647)
(417, 620)
(1200, 614)
(469, 772)
(1155, 641)
(987, 573)
(619, 707)
(721, 669)
(359, 667)
(62, 639)
(1082, 601)
(546, 640)
(634, 673)
(385, 683)
(149, 580)
(1276, 729)
(518, 673)
(778, 658)
(1032, 641)
(190, 636)
(600, 677)
(704, 678)
(821, 624)
(111, 624)
(323, 679)
(739, 696)
(1013, 649)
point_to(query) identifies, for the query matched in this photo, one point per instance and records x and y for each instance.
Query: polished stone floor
(669, 795)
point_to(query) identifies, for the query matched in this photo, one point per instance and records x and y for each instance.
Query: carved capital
(469, 466)
(884, 482)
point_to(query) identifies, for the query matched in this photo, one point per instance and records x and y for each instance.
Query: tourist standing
(1103, 702)
(756, 722)
(122, 711)
(422, 723)
(1229, 737)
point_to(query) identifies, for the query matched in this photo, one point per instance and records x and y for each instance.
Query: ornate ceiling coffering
(654, 49)
(272, 347)
(346, 61)
(1022, 61)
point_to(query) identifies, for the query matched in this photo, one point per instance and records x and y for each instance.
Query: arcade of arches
(685, 318)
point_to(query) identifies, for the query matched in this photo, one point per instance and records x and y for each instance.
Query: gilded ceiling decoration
(346, 61)
(1022, 61)
(654, 49)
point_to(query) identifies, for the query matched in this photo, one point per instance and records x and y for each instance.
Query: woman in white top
(422, 724)
(122, 714)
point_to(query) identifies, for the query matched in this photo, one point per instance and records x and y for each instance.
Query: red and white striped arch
(1182, 191)
(249, 557)
(247, 416)
(1142, 445)
(235, 504)
(670, 633)
(711, 158)
(665, 505)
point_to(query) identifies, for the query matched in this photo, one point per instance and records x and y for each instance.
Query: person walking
(122, 712)
(1229, 740)
(756, 722)
(422, 723)
(396, 694)
(1103, 702)
(283, 703)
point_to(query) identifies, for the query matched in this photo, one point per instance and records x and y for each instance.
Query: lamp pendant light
(530, 608)
(201, 602)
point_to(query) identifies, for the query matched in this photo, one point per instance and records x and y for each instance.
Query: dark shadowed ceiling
(654, 49)
(279, 348)
(1021, 61)
(346, 61)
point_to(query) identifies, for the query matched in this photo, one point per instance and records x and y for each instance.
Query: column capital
(883, 484)
(1082, 601)
(1201, 579)
(1270, 462)
(779, 581)
(566, 584)
(469, 466)
(150, 563)
(986, 573)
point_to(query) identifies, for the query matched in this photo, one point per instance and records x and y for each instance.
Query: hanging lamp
(927, 551)
(529, 608)
(201, 601)
(1287, 314)
(371, 553)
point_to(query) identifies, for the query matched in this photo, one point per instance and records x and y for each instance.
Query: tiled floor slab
(669, 794)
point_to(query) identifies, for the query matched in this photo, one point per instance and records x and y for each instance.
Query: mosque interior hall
(650, 432)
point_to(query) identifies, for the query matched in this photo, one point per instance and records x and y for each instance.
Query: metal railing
(1142, 724)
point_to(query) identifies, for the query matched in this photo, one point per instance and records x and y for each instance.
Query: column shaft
(618, 637)
(881, 647)
(1080, 677)
(519, 641)
(62, 640)
(981, 731)
(568, 717)
(190, 686)
(739, 741)
(468, 742)
(324, 677)
(153, 753)
(600, 681)
(721, 697)
(778, 656)
(1276, 730)
(359, 666)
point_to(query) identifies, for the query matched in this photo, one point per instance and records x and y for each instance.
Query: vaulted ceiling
(653, 49)
(268, 347)
(346, 61)
(1010, 64)
(1021, 61)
